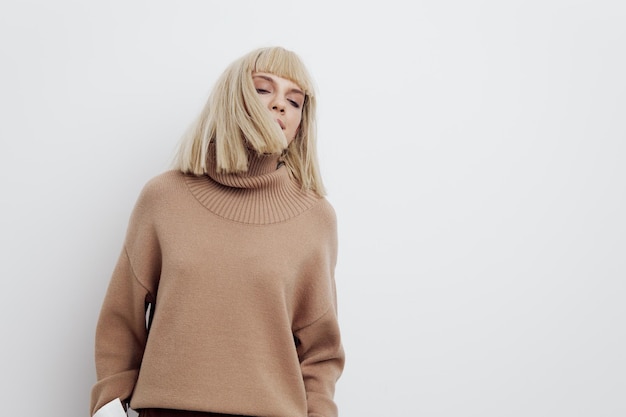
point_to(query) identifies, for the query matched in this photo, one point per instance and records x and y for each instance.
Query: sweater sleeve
(121, 331)
(318, 339)
(321, 359)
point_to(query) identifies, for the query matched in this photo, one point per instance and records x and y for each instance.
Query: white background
(473, 150)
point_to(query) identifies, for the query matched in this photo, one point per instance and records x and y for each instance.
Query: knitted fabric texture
(239, 269)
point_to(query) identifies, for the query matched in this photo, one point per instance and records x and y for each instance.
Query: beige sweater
(240, 269)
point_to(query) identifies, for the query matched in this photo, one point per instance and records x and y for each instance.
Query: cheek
(296, 127)
(264, 99)
(298, 120)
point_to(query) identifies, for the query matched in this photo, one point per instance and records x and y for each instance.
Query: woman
(223, 300)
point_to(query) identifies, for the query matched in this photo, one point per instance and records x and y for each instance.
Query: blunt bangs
(285, 64)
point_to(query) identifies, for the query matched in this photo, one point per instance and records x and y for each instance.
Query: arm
(121, 332)
(318, 338)
(120, 336)
(321, 359)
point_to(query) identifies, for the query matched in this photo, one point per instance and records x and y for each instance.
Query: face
(284, 100)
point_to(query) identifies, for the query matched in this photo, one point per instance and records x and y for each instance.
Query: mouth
(281, 124)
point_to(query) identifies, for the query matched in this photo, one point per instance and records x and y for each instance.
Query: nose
(278, 105)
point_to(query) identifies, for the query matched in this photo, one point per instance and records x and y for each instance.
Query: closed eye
(294, 104)
(262, 91)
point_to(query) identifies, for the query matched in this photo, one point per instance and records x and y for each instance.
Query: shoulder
(163, 182)
(319, 223)
(162, 185)
(326, 212)
(158, 190)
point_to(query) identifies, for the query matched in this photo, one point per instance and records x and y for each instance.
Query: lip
(281, 124)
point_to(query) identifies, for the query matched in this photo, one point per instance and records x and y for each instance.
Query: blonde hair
(233, 118)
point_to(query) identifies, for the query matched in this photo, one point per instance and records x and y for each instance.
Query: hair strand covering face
(234, 119)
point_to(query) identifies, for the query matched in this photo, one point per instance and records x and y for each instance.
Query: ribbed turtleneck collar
(264, 194)
(262, 171)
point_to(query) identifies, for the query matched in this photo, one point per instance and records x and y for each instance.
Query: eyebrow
(270, 79)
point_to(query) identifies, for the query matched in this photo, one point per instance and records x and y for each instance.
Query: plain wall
(474, 152)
